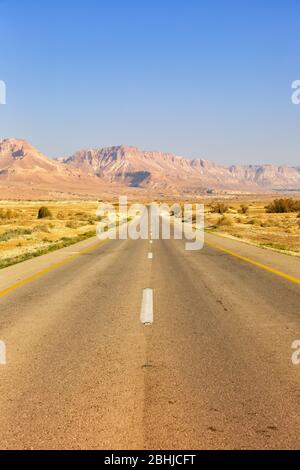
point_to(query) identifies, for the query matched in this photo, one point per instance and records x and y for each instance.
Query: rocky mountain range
(112, 170)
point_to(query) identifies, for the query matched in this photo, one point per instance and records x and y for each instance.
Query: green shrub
(44, 213)
(10, 234)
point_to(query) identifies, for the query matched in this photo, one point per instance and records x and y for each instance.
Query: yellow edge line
(255, 263)
(97, 245)
(51, 268)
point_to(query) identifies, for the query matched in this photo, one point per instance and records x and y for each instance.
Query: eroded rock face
(22, 164)
(124, 166)
(268, 175)
(168, 170)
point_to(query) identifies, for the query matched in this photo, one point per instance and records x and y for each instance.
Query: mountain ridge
(113, 168)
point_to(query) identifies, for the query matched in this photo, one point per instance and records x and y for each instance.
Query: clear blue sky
(201, 78)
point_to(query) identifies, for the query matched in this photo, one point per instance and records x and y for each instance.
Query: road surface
(213, 371)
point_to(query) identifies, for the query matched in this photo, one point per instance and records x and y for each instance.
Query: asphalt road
(213, 371)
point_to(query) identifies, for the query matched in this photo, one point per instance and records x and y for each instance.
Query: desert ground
(250, 221)
(24, 235)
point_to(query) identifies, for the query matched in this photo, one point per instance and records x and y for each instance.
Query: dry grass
(250, 221)
(23, 235)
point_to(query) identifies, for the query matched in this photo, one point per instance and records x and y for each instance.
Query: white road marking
(151, 242)
(2, 353)
(150, 255)
(147, 307)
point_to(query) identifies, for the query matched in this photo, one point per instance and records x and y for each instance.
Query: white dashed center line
(147, 307)
(150, 255)
(2, 353)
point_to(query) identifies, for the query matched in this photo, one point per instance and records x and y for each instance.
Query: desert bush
(219, 208)
(281, 206)
(244, 209)
(60, 215)
(253, 222)
(8, 214)
(267, 224)
(72, 224)
(41, 228)
(66, 239)
(44, 213)
(81, 215)
(224, 221)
